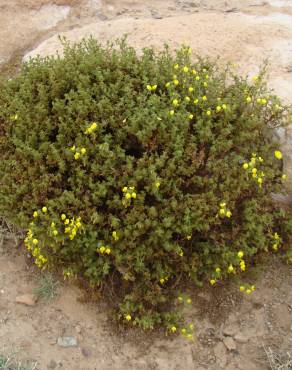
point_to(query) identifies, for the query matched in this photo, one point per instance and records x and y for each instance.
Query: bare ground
(241, 31)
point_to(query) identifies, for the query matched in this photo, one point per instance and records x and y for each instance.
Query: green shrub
(137, 172)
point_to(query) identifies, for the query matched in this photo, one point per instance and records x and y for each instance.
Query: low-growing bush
(137, 172)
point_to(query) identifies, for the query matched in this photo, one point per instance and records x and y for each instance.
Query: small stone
(229, 343)
(86, 352)
(27, 299)
(220, 353)
(52, 365)
(241, 338)
(67, 342)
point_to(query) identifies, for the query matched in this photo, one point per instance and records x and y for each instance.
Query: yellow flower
(276, 236)
(218, 108)
(263, 101)
(183, 330)
(212, 281)
(185, 69)
(284, 176)
(245, 166)
(197, 78)
(254, 171)
(187, 99)
(67, 221)
(102, 249)
(134, 195)
(228, 214)
(167, 84)
(128, 196)
(173, 329)
(248, 99)
(83, 151)
(128, 317)
(230, 268)
(125, 189)
(55, 232)
(204, 98)
(196, 101)
(175, 102)
(248, 291)
(171, 112)
(223, 204)
(190, 336)
(189, 237)
(154, 87)
(180, 299)
(77, 155)
(73, 148)
(206, 84)
(191, 326)
(255, 78)
(181, 253)
(261, 159)
(191, 89)
(176, 66)
(157, 184)
(222, 211)
(240, 254)
(191, 116)
(162, 281)
(278, 154)
(218, 270)
(149, 88)
(63, 216)
(242, 288)
(224, 106)
(259, 100)
(260, 181)
(242, 265)
(176, 82)
(189, 301)
(35, 214)
(194, 72)
(275, 247)
(35, 241)
(108, 251)
(115, 235)
(208, 112)
(44, 209)
(53, 225)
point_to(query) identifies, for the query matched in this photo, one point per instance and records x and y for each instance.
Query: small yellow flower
(180, 299)
(275, 247)
(115, 235)
(154, 87)
(222, 211)
(67, 221)
(242, 288)
(224, 106)
(185, 69)
(278, 154)
(167, 84)
(240, 254)
(44, 209)
(212, 281)
(173, 329)
(77, 155)
(190, 336)
(183, 330)
(191, 89)
(191, 116)
(187, 99)
(245, 166)
(35, 241)
(254, 171)
(223, 205)
(149, 88)
(228, 214)
(204, 98)
(218, 270)
(134, 195)
(162, 281)
(206, 84)
(128, 196)
(284, 176)
(248, 291)
(191, 326)
(242, 265)
(53, 225)
(55, 232)
(35, 214)
(263, 101)
(189, 237)
(128, 317)
(196, 101)
(63, 216)
(252, 288)
(194, 72)
(73, 148)
(218, 108)
(230, 268)
(176, 66)
(260, 181)
(102, 249)
(208, 112)
(108, 251)
(176, 82)
(157, 184)
(261, 159)
(83, 151)
(189, 301)
(248, 99)
(181, 254)
(125, 189)
(197, 78)
(175, 102)
(255, 78)
(171, 113)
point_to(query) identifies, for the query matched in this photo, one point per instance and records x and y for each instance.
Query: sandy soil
(246, 32)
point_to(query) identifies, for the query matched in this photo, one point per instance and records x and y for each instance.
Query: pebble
(241, 338)
(67, 342)
(27, 299)
(229, 343)
(52, 365)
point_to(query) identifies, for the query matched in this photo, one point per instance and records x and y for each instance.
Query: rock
(230, 330)
(241, 338)
(221, 354)
(229, 343)
(27, 299)
(52, 365)
(155, 14)
(86, 352)
(67, 342)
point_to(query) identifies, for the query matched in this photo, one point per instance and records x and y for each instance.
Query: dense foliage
(137, 171)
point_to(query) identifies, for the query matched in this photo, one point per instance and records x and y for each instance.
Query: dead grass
(278, 359)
